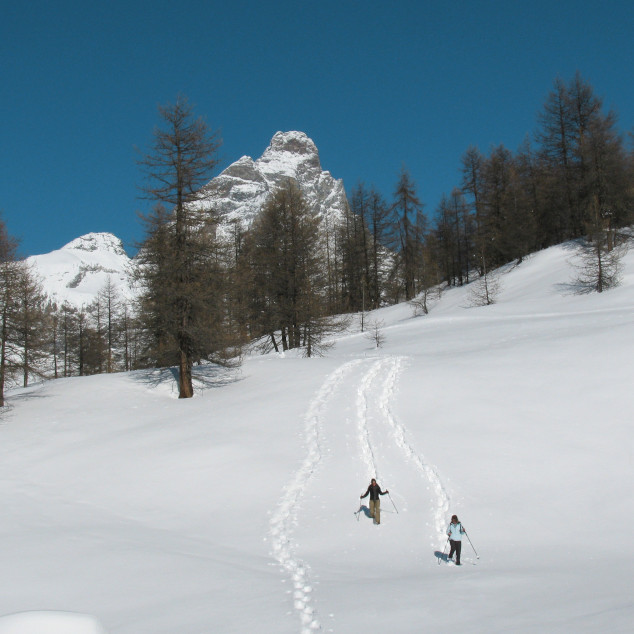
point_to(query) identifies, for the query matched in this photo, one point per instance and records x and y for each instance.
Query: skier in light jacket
(455, 533)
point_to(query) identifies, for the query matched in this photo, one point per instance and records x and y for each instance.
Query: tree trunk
(186, 388)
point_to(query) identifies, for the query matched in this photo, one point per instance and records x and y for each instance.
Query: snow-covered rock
(239, 192)
(77, 272)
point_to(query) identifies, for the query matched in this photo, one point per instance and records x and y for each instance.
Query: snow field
(237, 511)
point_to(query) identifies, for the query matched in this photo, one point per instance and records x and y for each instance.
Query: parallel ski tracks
(387, 371)
(400, 435)
(375, 392)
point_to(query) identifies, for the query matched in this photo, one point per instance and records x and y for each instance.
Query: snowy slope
(236, 511)
(77, 272)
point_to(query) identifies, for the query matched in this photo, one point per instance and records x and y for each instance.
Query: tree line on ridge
(282, 281)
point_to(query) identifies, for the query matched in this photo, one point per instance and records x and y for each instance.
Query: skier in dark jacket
(455, 533)
(375, 503)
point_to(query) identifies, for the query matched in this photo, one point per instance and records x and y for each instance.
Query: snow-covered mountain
(239, 192)
(77, 272)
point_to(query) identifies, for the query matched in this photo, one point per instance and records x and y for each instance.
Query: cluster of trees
(102, 337)
(281, 282)
(575, 182)
(40, 339)
(278, 281)
(283, 279)
(20, 317)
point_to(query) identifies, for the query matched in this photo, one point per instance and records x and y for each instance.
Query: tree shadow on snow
(156, 377)
(572, 287)
(28, 394)
(204, 377)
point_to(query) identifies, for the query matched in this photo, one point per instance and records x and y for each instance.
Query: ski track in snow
(388, 371)
(399, 432)
(363, 394)
(285, 516)
(375, 393)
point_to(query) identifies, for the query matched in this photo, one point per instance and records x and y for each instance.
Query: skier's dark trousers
(375, 503)
(455, 533)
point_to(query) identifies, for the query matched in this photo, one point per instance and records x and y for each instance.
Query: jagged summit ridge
(240, 191)
(91, 242)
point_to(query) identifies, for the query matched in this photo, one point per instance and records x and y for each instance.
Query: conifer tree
(378, 227)
(9, 270)
(584, 164)
(405, 209)
(30, 324)
(178, 257)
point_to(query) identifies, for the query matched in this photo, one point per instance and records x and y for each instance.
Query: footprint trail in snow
(285, 516)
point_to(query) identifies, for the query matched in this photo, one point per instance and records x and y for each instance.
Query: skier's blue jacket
(455, 532)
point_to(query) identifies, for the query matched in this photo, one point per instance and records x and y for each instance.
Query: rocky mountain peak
(91, 242)
(78, 271)
(240, 191)
(293, 142)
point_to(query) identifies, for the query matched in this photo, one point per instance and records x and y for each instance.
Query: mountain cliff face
(77, 272)
(239, 192)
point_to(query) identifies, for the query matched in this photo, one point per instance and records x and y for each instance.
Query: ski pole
(472, 546)
(358, 513)
(391, 500)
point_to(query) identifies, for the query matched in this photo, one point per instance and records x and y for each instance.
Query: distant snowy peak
(241, 190)
(103, 242)
(77, 272)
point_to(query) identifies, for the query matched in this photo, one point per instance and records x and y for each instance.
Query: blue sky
(376, 85)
